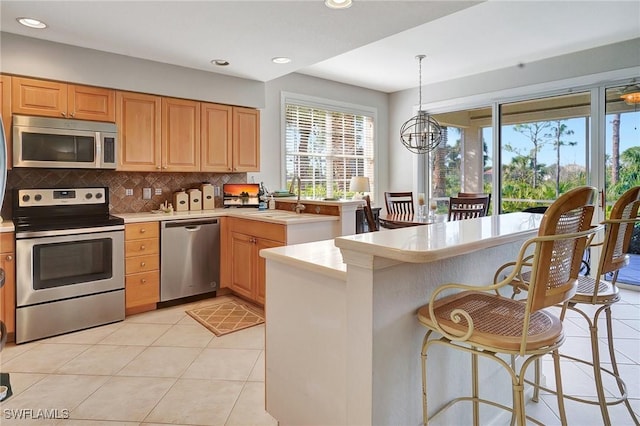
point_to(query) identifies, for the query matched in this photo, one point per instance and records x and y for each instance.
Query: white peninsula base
(342, 339)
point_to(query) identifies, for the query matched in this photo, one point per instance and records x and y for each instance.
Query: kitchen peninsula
(342, 339)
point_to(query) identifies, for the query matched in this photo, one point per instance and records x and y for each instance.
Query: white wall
(43, 59)
(589, 67)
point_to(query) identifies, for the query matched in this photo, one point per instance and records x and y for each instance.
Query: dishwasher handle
(190, 224)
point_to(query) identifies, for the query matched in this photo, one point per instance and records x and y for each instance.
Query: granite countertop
(416, 244)
(272, 216)
(6, 226)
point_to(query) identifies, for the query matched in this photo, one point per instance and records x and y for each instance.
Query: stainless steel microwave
(63, 143)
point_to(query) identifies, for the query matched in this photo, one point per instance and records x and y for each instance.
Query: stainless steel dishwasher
(190, 255)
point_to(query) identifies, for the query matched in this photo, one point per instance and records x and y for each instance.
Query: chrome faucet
(299, 206)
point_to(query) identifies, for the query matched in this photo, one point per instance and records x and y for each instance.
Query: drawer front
(6, 242)
(141, 247)
(142, 289)
(133, 265)
(136, 231)
(256, 228)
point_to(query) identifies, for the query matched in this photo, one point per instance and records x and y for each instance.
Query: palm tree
(557, 133)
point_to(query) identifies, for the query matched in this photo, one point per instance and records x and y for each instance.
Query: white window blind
(326, 148)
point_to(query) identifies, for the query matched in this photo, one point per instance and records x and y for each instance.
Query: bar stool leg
(595, 357)
(474, 389)
(559, 393)
(614, 364)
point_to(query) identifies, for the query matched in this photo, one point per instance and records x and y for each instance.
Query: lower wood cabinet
(245, 269)
(142, 266)
(8, 291)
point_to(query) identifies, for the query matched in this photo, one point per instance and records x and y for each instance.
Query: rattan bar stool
(479, 321)
(596, 292)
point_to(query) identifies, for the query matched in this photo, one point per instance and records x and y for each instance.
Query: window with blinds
(326, 148)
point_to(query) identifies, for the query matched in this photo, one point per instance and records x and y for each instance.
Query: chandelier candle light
(421, 133)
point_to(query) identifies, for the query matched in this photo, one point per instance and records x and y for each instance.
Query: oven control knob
(37, 197)
(99, 195)
(88, 196)
(26, 198)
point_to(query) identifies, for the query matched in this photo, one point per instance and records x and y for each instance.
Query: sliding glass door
(543, 149)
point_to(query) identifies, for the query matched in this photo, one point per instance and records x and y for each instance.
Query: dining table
(402, 220)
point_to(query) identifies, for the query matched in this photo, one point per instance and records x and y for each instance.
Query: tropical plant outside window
(326, 148)
(544, 149)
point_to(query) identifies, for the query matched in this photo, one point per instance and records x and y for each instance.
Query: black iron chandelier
(421, 133)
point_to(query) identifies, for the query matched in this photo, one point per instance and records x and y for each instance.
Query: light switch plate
(128, 191)
(158, 191)
(146, 193)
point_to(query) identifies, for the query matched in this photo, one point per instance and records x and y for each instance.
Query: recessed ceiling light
(220, 62)
(281, 60)
(32, 23)
(337, 4)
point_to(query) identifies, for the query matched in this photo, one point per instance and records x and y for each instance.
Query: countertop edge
(327, 265)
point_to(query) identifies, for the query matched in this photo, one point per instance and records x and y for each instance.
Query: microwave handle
(98, 149)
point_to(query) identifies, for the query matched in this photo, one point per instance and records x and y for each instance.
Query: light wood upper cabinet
(53, 99)
(138, 118)
(180, 135)
(246, 140)
(215, 135)
(5, 113)
(91, 103)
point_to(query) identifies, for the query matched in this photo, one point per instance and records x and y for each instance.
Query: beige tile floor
(162, 367)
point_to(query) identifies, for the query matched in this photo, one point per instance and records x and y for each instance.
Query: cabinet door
(262, 268)
(8, 292)
(215, 137)
(246, 140)
(180, 135)
(242, 264)
(5, 113)
(38, 97)
(91, 103)
(138, 119)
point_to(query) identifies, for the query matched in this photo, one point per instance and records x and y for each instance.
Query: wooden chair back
(618, 232)
(399, 202)
(368, 214)
(461, 208)
(477, 195)
(556, 262)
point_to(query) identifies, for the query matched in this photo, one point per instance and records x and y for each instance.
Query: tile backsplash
(117, 182)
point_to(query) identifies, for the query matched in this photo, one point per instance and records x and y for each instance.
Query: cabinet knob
(9, 258)
(143, 264)
(142, 247)
(164, 167)
(143, 230)
(64, 114)
(143, 280)
(72, 114)
(158, 167)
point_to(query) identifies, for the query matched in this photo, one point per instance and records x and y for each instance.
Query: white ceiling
(372, 44)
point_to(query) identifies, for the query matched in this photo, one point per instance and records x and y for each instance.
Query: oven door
(50, 268)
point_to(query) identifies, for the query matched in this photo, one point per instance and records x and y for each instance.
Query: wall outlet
(128, 191)
(146, 193)
(158, 191)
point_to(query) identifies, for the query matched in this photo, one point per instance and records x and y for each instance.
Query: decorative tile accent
(117, 182)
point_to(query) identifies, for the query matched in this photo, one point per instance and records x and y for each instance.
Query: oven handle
(77, 231)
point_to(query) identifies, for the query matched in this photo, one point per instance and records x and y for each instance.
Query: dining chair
(595, 296)
(477, 195)
(461, 208)
(480, 321)
(368, 214)
(399, 202)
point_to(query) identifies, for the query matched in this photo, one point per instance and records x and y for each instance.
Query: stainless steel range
(69, 261)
